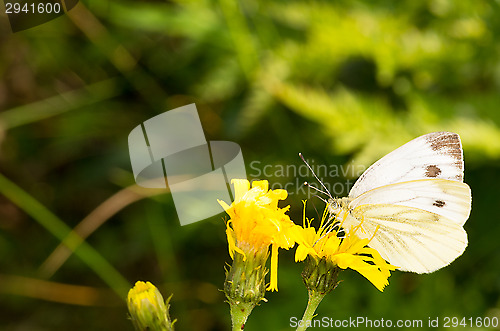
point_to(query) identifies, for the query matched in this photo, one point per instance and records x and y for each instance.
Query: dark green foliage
(343, 82)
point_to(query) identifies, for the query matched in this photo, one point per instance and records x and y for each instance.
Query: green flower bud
(245, 279)
(245, 285)
(320, 275)
(147, 309)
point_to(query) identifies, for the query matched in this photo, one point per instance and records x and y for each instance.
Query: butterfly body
(337, 204)
(412, 203)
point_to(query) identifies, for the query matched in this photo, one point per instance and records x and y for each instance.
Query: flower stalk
(313, 302)
(239, 314)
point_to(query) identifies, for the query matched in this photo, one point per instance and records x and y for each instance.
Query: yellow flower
(147, 309)
(256, 223)
(344, 251)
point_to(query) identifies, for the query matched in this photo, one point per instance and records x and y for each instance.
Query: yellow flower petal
(273, 286)
(301, 253)
(232, 244)
(262, 184)
(241, 186)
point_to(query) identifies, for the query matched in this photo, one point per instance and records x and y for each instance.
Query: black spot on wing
(439, 203)
(432, 171)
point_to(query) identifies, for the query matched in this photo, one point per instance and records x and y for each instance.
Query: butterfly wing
(434, 155)
(418, 224)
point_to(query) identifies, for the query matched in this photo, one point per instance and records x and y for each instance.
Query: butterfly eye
(333, 204)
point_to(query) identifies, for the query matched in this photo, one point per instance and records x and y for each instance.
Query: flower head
(326, 246)
(147, 309)
(256, 223)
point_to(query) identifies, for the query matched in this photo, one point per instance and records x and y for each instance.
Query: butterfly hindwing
(415, 225)
(447, 198)
(411, 238)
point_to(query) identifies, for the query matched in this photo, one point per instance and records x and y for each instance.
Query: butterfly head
(336, 205)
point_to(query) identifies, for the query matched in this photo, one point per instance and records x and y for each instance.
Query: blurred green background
(343, 82)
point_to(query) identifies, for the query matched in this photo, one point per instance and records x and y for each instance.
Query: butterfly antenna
(317, 196)
(316, 189)
(317, 178)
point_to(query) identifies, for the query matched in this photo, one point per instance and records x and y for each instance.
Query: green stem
(239, 314)
(313, 303)
(66, 235)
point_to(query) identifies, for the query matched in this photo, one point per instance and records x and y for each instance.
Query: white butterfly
(414, 201)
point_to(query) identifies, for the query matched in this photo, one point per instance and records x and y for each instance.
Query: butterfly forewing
(434, 155)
